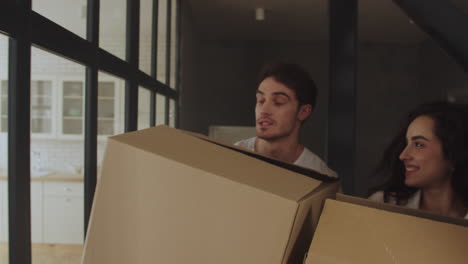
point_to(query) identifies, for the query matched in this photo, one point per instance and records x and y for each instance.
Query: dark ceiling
(301, 20)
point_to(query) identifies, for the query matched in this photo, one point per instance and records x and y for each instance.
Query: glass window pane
(111, 109)
(144, 101)
(112, 27)
(172, 112)
(160, 109)
(4, 106)
(146, 26)
(161, 53)
(57, 149)
(3, 148)
(41, 107)
(70, 14)
(173, 47)
(73, 107)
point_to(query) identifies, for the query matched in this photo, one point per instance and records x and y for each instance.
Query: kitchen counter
(49, 253)
(53, 176)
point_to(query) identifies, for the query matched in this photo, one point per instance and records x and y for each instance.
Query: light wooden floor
(49, 253)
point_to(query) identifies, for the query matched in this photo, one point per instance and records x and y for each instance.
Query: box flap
(290, 166)
(177, 145)
(351, 233)
(401, 209)
(306, 221)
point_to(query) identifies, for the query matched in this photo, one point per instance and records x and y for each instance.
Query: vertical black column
(132, 48)
(152, 109)
(177, 60)
(154, 59)
(342, 98)
(91, 108)
(19, 141)
(168, 56)
(444, 22)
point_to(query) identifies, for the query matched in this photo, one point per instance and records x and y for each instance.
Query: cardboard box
(353, 230)
(166, 196)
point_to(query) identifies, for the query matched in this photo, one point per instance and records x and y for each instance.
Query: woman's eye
(261, 101)
(418, 144)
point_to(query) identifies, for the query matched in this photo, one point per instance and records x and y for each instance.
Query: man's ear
(304, 112)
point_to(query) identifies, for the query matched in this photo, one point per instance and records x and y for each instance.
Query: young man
(285, 99)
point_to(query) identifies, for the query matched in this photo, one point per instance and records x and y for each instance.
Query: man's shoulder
(248, 143)
(310, 160)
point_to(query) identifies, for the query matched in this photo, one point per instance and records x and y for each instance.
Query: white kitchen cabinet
(58, 107)
(42, 107)
(57, 212)
(108, 108)
(36, 212)
(63, 212)
(3, 106)
(72, 108)
(3, 211)
(71, 120)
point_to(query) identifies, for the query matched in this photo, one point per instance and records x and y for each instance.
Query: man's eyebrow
(282, 93)
(419, 137)
(275, 93)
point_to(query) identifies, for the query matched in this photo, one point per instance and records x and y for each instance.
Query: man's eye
(280, 101)
(418, 144)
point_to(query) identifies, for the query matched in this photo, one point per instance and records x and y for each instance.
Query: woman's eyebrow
(419, 137)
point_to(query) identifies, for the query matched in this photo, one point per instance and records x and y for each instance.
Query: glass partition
(57, 147)
(3, 149)
(144, 100)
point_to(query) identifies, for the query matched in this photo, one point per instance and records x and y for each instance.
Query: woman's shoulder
(412, 202)
(377, 197)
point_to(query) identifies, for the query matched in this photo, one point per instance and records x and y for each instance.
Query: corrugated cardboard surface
(350, 233)
(167, 197)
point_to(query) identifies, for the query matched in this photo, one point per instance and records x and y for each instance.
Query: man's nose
(266, 107)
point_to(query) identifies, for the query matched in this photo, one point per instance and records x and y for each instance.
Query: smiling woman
(426, 165)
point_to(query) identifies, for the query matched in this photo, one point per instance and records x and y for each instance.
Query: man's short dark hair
(295, 78)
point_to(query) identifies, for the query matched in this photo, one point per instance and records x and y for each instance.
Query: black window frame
(26, 28)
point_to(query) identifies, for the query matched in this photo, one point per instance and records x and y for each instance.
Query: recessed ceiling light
(259, 14)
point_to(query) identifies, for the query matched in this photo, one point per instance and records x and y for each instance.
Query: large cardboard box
(353, 230)
(166, 196)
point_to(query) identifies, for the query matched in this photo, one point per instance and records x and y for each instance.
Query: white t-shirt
(413, 201)
(307, 159)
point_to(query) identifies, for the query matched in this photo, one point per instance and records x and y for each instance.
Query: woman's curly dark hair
(451, 128)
